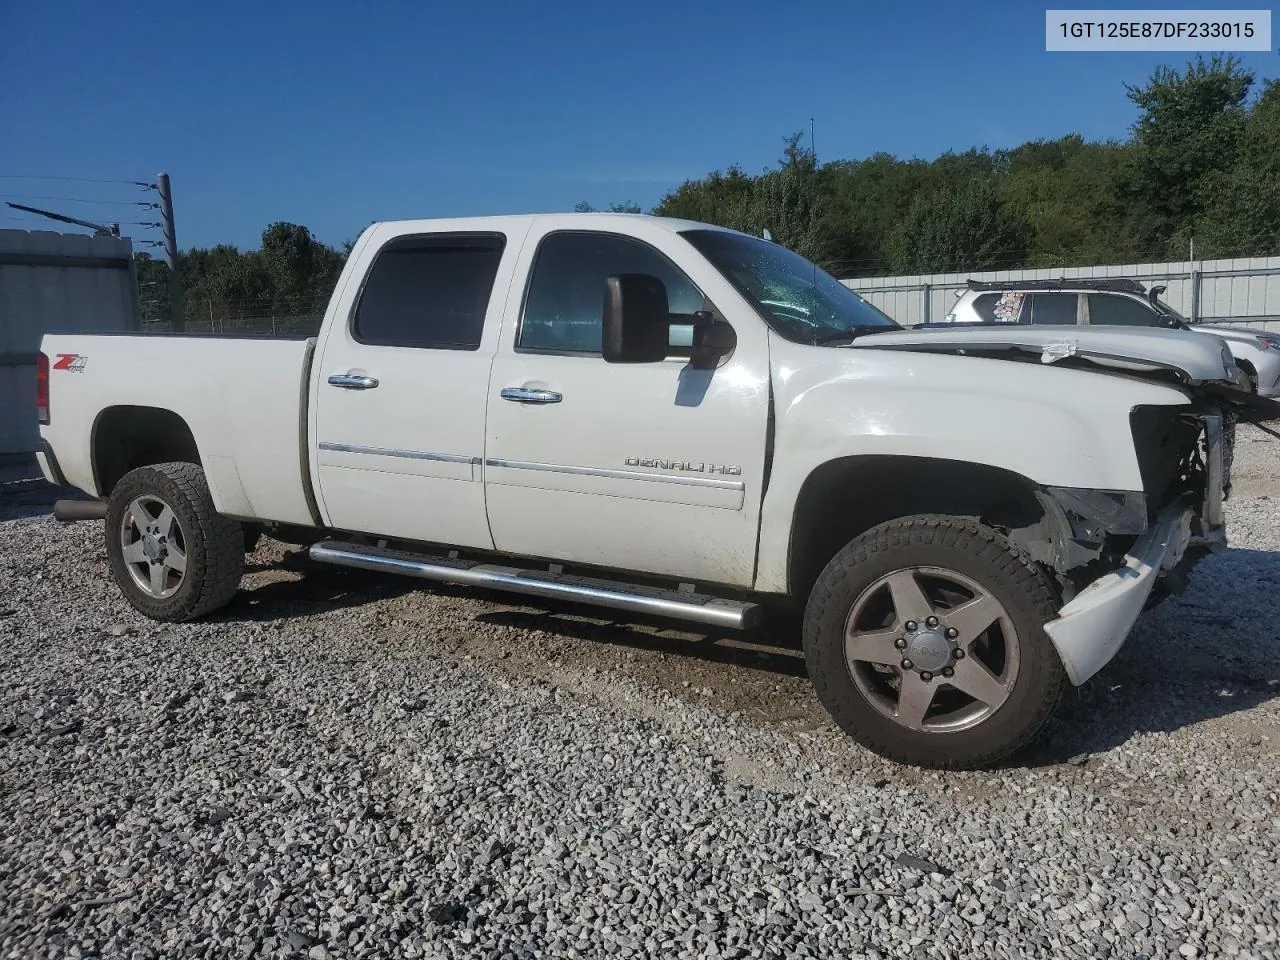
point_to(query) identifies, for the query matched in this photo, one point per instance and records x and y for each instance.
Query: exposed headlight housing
(1095, 513)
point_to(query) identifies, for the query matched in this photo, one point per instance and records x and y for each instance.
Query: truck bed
(243, 398)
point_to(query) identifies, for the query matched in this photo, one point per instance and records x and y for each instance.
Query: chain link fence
(299, 326)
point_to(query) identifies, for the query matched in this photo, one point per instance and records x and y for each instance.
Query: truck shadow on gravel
(756, 649)
(1119, 704)
(320, 588)
(277, 588)
(24, 492)
(1209, 654)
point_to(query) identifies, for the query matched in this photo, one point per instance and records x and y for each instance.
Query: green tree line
(290, 275)
(1202, 164)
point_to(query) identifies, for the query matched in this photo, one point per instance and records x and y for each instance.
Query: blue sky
(333, 115)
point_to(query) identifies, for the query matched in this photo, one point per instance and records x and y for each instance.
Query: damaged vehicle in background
(664, 417)
(1112, 302)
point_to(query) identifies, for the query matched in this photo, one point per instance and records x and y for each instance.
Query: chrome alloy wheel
(931, 649)
(153, 546)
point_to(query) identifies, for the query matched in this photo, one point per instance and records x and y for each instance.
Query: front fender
(1056, 427)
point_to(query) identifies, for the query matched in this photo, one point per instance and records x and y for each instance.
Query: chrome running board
(681, 605)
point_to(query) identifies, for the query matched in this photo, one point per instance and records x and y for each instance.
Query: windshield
(797, 299)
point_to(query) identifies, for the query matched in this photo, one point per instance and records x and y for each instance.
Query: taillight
(42, 387)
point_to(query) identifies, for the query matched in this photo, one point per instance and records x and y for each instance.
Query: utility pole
(813, 146)
(176, 316)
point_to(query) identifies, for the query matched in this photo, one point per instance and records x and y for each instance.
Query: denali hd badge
(687, 466)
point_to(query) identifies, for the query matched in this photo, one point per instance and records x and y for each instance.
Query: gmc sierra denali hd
(670, 418)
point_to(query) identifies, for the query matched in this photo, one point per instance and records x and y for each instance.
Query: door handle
(350, 381)
(530, 395)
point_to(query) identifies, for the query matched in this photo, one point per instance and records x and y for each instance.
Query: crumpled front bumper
(1093, 626)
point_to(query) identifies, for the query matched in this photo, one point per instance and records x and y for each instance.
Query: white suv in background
(1117, 302)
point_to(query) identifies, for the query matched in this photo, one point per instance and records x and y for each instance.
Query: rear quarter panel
(243, 400)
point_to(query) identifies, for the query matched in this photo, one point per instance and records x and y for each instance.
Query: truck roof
(570, 220)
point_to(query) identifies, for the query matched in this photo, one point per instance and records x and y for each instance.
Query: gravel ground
(342, 765)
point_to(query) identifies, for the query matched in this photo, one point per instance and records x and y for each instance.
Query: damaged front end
(1113, 550)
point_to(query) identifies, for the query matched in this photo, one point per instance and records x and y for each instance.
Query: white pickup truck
(668, 418)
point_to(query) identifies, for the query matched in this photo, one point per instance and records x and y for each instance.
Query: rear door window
(1054, 309)
(430, 292)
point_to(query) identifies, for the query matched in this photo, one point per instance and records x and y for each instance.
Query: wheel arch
(125, 437)
(843, 498)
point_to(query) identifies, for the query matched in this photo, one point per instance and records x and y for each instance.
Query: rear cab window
(429, 291)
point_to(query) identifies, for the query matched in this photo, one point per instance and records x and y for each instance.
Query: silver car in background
(1114, 302)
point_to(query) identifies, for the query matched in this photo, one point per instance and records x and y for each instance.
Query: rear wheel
(924, 638)
(173, 556)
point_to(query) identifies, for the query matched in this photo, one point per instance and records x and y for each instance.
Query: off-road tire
(979, 553)
(214, 544)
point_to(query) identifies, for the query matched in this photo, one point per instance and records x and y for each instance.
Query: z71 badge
(70, 361)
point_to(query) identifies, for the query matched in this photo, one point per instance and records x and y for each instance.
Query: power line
(16, 176)
(33, 196)
(150, 224)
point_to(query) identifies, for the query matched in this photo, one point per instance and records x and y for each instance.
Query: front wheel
(172, 554)
(924, 639)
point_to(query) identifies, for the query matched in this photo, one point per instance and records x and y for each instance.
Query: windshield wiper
(848, 335)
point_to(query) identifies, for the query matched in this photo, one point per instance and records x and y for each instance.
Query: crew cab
(669, 418)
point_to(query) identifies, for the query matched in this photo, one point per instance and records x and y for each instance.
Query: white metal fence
(1241, 291)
